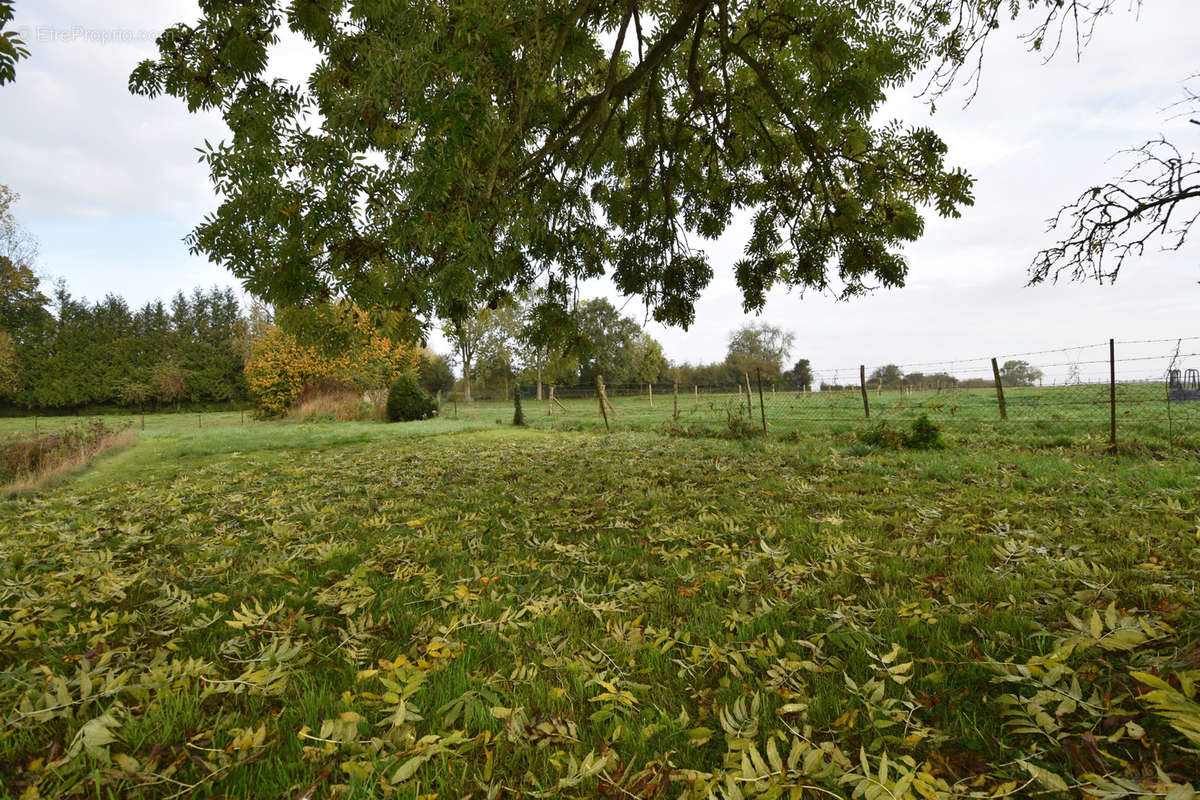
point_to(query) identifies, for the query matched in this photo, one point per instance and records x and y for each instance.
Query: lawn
(430, 610)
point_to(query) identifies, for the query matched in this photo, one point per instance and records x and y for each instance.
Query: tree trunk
(539, 382)
(466, 380)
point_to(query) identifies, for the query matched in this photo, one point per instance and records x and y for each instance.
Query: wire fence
(1144, 389)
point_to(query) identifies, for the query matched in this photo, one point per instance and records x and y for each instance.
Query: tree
(887, 377)
(801, 374)
(465, 333)
(467, 149)
(614, 346)
(353, 353)
(22, 305)
(1019, 373)
(12, 49)
(758, 346)
(10, 366)
(434, 373)
(170, 383)
(1155, 199)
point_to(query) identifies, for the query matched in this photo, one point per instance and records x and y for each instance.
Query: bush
(407, 401)
(923, 435)
(518, 412)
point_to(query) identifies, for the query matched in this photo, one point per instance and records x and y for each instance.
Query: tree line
(497, 348)
(63, 353)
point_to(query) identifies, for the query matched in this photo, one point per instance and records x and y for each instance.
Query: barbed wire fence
(1146, 389)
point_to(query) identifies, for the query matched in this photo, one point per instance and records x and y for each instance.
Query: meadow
(1035, 415)
(455, 608)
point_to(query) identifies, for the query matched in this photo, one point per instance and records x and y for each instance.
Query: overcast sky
(110, 185)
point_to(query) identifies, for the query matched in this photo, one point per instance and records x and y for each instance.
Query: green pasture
(1062, 413)
(458, 609)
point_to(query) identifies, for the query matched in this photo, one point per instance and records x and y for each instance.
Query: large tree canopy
(444, 152)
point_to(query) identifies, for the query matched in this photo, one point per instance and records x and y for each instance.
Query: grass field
(1034, 414)
(454, 608)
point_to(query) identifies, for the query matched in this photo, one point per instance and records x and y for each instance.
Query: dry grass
(338, 406)
(31, 464)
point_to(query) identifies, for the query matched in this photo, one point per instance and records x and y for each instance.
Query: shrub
(407, 401)
(281, 365)
(923, 435)
(518, 412)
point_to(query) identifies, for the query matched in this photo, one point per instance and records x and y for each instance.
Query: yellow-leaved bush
(281, 365)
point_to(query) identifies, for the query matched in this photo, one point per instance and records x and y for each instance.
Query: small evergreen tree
(518, 413)
(407, 401)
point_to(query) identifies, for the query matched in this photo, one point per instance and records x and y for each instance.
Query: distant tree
(759, 346)
(22, 305)
(647, 362)
(1019, 373)
(434, 373)
(170, 384)
(10, 366)
(136, 394)
(888, 377)
(921, 381)
(466, 335)
(12, 49)
(801, 375)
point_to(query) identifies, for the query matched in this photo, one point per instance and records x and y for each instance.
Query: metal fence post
(1112, 394)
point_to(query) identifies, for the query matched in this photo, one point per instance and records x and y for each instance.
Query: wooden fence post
(600, 397)
(762, 407)
(550, 403)
(1112, 394)
(650, 391)
(999, 390)
(862, 384)
(676, 416)
(749, 397)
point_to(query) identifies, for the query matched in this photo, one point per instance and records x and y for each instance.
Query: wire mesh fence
(1145, 389)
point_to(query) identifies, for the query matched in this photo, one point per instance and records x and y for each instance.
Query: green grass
(428, 609)
(1067, 414)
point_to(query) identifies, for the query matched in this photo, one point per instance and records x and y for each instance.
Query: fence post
(650, 391)
(999, 390)
(696, 391)
(600, 397)
(1112, 394)
(749, 397)
(454, 398)
(199, 420)
(550, 403)
(676, 415)
(762, 407)
(862, 384)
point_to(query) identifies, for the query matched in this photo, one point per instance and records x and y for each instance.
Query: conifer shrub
(407, 401)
